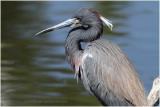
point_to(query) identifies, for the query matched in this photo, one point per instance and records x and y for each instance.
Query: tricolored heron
(104, 69)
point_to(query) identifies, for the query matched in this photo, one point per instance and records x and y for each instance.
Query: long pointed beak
(67, 23)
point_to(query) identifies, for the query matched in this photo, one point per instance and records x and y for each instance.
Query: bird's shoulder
(100, 49)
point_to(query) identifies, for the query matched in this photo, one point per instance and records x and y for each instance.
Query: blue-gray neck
(80, 34)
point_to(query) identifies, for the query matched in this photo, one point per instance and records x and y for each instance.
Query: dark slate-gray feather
(110, 76)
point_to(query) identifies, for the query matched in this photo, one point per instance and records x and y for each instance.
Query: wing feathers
(111, 76)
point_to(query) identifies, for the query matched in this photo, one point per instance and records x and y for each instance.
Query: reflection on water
(34, 69)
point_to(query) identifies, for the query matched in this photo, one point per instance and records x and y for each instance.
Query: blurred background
(34, 69)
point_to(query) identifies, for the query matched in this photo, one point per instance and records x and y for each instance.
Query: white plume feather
(108, 23)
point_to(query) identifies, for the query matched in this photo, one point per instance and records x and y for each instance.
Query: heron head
(84, 17)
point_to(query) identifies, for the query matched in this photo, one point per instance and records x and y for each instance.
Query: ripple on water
(57, 75)
(56, 85)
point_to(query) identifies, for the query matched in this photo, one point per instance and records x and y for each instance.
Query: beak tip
(41, 32)
(37, 34)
